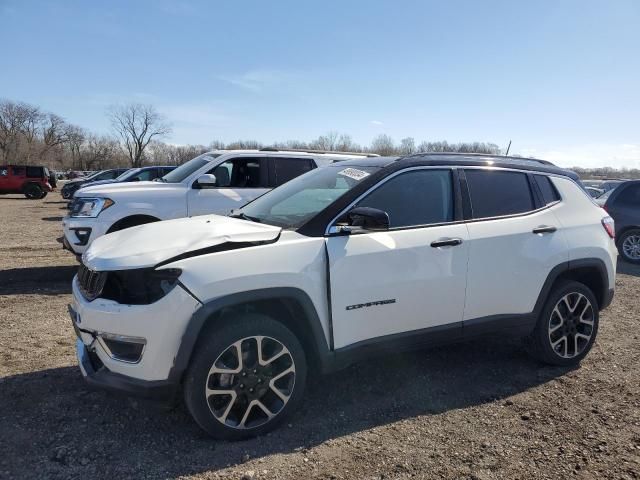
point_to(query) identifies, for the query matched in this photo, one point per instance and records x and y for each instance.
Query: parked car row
(243, 292)
(215, 182)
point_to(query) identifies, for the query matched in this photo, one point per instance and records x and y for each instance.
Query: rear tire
(629, 246)
(232, 394)
(567, 326)
(33, 191)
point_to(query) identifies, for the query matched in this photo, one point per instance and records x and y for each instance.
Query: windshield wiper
(243, 216)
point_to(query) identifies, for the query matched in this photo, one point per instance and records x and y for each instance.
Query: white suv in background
(357, 258)
(215, 182)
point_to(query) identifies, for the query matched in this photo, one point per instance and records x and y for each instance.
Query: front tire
(567, 326)
(629, 246)
(246, 378)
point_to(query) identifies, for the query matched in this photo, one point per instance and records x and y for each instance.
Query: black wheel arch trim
(606, 295)
(204, 314)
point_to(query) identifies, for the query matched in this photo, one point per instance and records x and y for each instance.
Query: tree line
(30, 136)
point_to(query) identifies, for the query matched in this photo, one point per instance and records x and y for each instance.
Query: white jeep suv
(215, 182)
(338, 264)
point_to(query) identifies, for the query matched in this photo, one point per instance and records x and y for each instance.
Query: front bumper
(92, 227)
(97, 375)
(161, 324)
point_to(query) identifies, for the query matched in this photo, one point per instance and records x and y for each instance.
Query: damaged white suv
(338, 264)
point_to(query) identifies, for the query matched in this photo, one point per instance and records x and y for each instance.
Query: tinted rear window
(549, 192)
(496, 193)
(281, 170)
(629, 196)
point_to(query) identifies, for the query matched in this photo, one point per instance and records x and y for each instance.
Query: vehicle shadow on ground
(52, 219)
(41, 280)
(627, 268)
(112, 435)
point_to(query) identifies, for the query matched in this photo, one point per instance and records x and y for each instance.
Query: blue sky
(560, 78)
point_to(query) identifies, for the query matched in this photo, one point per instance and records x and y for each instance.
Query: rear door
(283, 169)
(515, 240)
(239, 180)
(398, 281)
(17, 178)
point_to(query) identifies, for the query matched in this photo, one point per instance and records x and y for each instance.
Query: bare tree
(137, 125)
(18, 127)
(407, 146)
(383, 145)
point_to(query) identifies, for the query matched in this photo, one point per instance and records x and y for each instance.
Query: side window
(549, 192)
(417, 197)
(164, 171)
(146, 175)
(630, 196)
(495, 193)
(4, 171)
(18, 171)
(109, 175)
(281, 170)
(34, 172)
(239, 173)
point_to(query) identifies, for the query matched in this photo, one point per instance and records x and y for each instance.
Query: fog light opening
(122, 348)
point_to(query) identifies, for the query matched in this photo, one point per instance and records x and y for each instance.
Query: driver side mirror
(365, 219)
(207, 180)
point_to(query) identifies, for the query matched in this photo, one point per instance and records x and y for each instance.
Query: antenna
(508, 148)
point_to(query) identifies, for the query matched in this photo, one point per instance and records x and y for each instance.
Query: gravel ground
(480, 410)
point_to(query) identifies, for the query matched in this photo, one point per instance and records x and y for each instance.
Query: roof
(303, 152)
(464, 159)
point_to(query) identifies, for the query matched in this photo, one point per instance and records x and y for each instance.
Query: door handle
(544, 229)
(446, 242)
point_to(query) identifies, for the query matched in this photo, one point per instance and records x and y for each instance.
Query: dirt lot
(480, 410)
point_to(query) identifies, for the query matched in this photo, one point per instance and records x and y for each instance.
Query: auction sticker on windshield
(353, 173)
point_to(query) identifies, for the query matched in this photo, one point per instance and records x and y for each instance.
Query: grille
(91, 283)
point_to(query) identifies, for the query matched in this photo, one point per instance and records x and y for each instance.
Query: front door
(238, 181)
(408, 278)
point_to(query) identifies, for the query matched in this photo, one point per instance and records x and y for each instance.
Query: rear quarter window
(547, 189)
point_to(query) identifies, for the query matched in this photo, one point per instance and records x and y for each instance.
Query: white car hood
(147, 245)
(126, 187)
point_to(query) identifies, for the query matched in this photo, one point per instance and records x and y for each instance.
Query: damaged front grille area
(91, 283)
(128, 287)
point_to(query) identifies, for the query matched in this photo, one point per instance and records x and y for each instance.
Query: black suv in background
(623, 204)
(74, 185)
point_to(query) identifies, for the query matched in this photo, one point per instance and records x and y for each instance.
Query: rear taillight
(609, 226)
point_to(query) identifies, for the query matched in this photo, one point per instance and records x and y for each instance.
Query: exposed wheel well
(132, 221)
(589, 276)
(287, 311)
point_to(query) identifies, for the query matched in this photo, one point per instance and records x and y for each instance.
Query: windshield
(292, 204)
(127, 174)
(186, 169)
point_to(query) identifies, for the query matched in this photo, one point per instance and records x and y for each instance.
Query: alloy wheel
(571, 325)
(250, 382)
(631, 247)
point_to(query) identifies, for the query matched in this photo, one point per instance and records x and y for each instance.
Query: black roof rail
(493, 155)
(307, 150)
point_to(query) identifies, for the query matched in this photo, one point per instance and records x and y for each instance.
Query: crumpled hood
(147, 245)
